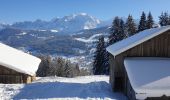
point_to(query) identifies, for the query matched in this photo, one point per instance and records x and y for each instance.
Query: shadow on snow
(100, 89)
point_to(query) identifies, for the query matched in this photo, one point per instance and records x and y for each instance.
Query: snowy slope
(79, 88)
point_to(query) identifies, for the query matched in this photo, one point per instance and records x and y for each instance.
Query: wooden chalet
(16, 66)
(143, 57)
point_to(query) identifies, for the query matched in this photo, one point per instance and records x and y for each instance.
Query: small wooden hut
(16, 66)
(136, 56)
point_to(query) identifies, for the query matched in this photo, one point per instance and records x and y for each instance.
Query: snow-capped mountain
(71, 23)
(3, 25)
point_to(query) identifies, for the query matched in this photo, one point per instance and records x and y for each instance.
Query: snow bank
(136, 39)
(18, 60)
(58, 88)
(149, 77)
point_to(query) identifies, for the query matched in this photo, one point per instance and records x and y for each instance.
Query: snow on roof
(136, 39)
(149, 77)
(18, 60)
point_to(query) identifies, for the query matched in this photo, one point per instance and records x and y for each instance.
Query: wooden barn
(16, 66)
(140, 65)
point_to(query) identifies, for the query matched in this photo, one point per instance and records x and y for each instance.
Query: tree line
(57, 66)
(119, 31)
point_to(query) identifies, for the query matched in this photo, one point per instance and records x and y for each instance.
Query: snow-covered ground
(58, 88)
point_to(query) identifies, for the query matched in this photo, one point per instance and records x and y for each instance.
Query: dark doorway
(119, 86)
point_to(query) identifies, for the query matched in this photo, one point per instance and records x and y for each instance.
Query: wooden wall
(158, 46)
(164, 97)
(10, 76)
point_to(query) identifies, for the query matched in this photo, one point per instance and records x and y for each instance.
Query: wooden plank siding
(164, 97)
(10, 76)
(158, 46)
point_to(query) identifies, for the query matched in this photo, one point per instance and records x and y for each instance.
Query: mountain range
(66, 24)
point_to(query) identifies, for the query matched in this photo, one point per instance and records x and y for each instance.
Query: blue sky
(20, 10)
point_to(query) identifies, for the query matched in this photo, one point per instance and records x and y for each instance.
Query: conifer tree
(122, 34)
(77, 70)
(117, 31)
(149, 22)
(60, 65)
(106, 60)
(67, 69)
(44, 66)
(142, 22)
(130, 26)
(53, 68)
(113, 30)
(99, 57)
(164, 19)
(169, 20)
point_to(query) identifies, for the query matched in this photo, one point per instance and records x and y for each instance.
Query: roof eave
(117, 52)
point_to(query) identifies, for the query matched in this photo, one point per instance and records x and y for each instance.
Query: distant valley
(72, 37)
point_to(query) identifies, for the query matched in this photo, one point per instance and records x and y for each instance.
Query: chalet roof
(18, 60)
(136, 39)
(149, 77)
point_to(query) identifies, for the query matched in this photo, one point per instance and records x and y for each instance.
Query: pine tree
(60, 66)
(44, 66)
(113, 30)
(164, 19)
(142, 22)
(169, 20)
(53, 68)
(122, 34)
(99, 57)
(67, 69)
(77, 70)
(117, 31)
(106, 60)
(149, 22)
(130, 26)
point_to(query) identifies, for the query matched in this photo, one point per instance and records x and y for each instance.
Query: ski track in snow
(59, 88)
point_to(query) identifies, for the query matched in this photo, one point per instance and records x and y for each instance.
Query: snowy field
(58, 88)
